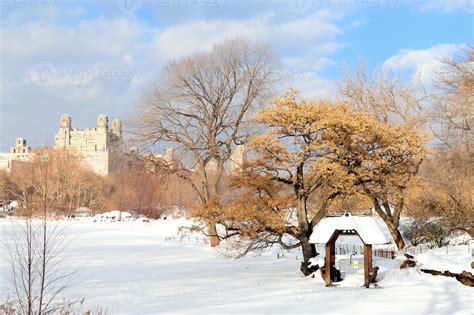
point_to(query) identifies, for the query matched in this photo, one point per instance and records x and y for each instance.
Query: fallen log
(464, 277)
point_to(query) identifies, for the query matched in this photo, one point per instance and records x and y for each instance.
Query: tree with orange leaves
(311, 145)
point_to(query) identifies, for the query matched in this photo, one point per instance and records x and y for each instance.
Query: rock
(408, 263)
(466, 278)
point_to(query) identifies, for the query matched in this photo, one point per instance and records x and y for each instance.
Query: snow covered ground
(140, 267)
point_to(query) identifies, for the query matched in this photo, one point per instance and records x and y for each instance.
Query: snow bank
(115, 216)
(433, 261)
(460, 240)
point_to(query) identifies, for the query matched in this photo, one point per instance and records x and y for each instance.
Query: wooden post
(327, 275)
(330, 258)
(367, 264)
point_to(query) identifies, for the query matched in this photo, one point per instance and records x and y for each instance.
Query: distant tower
(169, 156)
(20, 146)
(65, 122)
(63, 137)
(20, 142)
(102, 121)
(133, 151)
(117, 128)
(237, 159)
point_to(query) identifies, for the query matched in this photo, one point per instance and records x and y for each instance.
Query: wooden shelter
(366, 228)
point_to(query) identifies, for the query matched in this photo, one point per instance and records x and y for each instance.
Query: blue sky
(92, 57)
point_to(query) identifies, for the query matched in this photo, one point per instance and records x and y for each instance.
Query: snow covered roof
(368, 229)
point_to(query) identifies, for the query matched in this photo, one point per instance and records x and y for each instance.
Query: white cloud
(420, 64)
(85, 55)
(312, 86)
(181, 39)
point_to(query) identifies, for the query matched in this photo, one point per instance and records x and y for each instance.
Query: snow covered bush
(429, 231)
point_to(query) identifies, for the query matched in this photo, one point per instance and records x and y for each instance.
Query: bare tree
(6, 185)
(38, 273)
(449, 170)
(201, 106)
(54, 180)
(447, 191)
(392, 102)
(453, 113)
(383, 96)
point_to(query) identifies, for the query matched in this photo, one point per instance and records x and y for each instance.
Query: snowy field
(147, 268)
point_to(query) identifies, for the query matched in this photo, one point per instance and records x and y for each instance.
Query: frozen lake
(137, 268)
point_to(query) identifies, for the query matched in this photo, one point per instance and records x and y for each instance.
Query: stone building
(101, 149)
(19, 153)
(95, 145)
(237, 159)
(168, 157)
(235, 163)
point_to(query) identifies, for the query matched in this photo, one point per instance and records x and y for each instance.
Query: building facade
(18, 153)
(237, 158)
(95, 145)
(100, 148)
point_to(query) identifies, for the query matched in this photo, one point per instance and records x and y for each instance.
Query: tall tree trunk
(392, 222)
(212, 231)
(301, 212)
(213, 194)
(396, 235)
(305, 229)
(309, 251)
